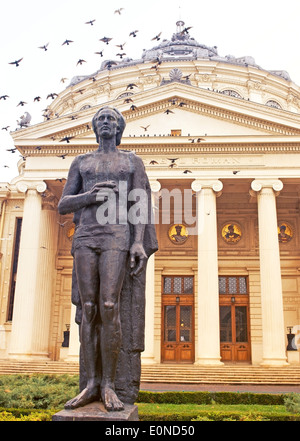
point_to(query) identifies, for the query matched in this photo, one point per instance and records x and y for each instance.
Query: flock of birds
(106, 40)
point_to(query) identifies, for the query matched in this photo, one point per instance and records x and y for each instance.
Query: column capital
(258, 184)
(199, 184)
(24, 186)
(155, 185)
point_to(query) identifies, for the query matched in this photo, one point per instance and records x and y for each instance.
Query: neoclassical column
(148, 355)
(45, 275)
(270, 273)
(28, 266)
(74, 345)
(208, 347)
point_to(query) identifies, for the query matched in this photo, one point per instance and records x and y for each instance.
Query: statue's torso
(98, 167)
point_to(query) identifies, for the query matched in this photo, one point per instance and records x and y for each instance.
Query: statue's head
(120, 122)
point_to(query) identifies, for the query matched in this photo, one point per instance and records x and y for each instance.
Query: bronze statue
(110, 253)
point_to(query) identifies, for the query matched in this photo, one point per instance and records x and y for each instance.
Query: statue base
(96, 412)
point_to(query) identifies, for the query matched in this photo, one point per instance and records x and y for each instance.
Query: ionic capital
(155, 185)
(24, 186)
(199, 184)
(257, 185)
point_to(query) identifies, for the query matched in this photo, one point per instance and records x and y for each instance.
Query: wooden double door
(234, 320)
(178, 320)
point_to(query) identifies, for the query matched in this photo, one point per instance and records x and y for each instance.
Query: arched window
(272, 103)
(87, 106)
(230, 92)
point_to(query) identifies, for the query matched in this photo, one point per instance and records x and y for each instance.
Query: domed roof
(181, 47)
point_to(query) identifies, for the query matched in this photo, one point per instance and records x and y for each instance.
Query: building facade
(220, 141)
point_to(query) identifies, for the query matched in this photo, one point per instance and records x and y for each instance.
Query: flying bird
(157, 37)
(235, 172)
(66, 138)
(173, 160)
(62, 224)
(67, 42)
(17, 62)
(80, 91)
(3, 97)
(153, 162)
(168, 111)
(45, 47)
(128, 100)
(182, 104)
(196, 139)
(62, 156)
(145, 128)
(63, 80)
(121, 55)
(121, 46)
(118, 11)
(21, 103)
(52, 95)
(133, 33)
(99, 53)
(187, 171)
(37, 98)
(5, 128)
(105, 40)
(133, 107)
(91, 22)
(186, 30)
(11, 150)
(39, 147)
(109, 64)
(80, 61)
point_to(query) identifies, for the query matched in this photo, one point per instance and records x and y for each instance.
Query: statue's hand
(100, 191)
(138, 258)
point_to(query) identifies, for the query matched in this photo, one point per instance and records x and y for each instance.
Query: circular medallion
(285, 232)
(178, 234)
(231, 233)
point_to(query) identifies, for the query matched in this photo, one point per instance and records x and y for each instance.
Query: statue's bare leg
(88, 281)
(112, 267)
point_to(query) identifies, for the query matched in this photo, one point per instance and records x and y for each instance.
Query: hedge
(200, 415)
(210, 397)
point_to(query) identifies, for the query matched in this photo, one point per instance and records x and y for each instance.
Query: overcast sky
(267, 30)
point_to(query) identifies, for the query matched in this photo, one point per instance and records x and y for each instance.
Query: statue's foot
(110, 399)
(88, 395)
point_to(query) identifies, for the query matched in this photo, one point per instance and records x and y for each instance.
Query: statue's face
(106, 124)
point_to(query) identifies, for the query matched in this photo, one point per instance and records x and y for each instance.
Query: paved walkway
(264, 388)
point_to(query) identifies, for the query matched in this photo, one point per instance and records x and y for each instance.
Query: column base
(148, 359)
(208, 362)
(29, 357)
(72, 359)
(276, 362)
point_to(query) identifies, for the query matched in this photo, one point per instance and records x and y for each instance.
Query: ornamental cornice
(164, 148)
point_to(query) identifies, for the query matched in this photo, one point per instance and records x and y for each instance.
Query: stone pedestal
(97, 412)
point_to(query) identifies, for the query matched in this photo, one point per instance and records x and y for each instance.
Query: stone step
(163, 373)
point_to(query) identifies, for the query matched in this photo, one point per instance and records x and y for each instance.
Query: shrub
(292, 403)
